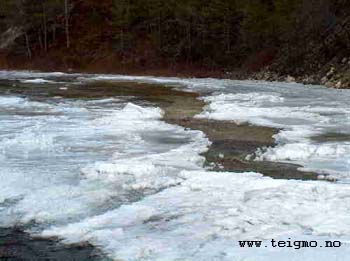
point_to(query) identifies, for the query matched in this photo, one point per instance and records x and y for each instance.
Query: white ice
(39, 80)
(205, 216)
(86, 157)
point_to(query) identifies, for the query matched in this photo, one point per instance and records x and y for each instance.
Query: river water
(109, 172)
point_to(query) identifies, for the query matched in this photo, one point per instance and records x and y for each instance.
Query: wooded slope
(288, 37)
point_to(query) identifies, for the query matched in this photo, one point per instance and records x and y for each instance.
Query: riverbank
(335, 74)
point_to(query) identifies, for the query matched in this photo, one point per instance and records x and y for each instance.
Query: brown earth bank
(112, 65)
(334, 74)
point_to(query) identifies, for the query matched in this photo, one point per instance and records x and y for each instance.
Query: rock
(338, 85)
(330, 72)
(309, 80)
(329, 84)
(324, 80)
(344, 60)
(290, 79)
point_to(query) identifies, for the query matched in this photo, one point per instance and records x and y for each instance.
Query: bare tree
(29, 52)
(66, 12)
(44, 25)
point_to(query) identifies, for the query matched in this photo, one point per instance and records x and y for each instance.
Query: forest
(289, 36)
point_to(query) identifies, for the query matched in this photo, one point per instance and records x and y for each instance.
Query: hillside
(294, 40)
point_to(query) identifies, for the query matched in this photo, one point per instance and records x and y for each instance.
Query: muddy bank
(232, 144)
(332, 75)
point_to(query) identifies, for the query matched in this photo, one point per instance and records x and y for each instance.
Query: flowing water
(108, 170)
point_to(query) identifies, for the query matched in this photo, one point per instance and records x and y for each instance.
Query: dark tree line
(213, 33)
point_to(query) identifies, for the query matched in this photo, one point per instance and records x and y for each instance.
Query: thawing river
(108, 171)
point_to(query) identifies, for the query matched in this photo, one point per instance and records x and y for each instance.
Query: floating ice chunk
(37, 81)
(303, 152)
(250, 98)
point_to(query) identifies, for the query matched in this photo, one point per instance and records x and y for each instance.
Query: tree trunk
(54, 34)
(40, 40)
(29, 52)
(67, 22)
(45, 28)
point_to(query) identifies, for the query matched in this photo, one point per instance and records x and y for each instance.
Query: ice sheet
(112, 173)
(205, 216)
(86, 157)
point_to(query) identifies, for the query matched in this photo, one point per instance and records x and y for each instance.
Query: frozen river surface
(110, 172)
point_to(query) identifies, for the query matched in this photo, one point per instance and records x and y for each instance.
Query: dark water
(18, 245)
